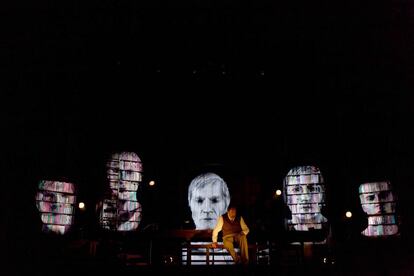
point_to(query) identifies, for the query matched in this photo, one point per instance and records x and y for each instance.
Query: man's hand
(214, 245)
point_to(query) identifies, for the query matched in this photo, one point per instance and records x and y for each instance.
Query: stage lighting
(278, 192)
(81, 205)
(152, 183)
(348, 214)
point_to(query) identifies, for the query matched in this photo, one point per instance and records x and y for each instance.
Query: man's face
(55, 202)
(377, 198)
(232, 212)
(207, 204)
(304, 200)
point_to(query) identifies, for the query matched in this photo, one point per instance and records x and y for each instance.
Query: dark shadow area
(244, 89)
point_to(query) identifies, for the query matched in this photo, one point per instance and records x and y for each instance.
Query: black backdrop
(246, 89)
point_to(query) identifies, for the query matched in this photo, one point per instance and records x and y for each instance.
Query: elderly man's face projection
(208, 197)
(55, 201)
(122, 211)
(305, 195)
(378, 202)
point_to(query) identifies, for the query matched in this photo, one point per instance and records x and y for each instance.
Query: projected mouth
(306, 207)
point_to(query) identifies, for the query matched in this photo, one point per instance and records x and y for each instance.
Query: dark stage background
(246, 89)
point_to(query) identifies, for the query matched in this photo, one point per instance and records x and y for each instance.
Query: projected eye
(297, 189)
(383, 195)
(370, 197)
(199, 200)
(214, 200)
(314, 188)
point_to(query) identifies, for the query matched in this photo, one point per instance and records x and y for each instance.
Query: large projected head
(208, 197)
(378, 202)
(55, 201)
(122, 211)
(305, 196)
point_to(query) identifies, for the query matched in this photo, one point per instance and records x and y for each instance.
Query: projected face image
(55, 201)
(208, 198)
(305, 198)
(305, 195)
(122, 211)
(378, 201)
(377, 198)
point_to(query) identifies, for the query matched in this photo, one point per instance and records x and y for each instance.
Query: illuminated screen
(378, 201)
(208, 198)
(55, 201)
(122, 211)
(304, 194)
